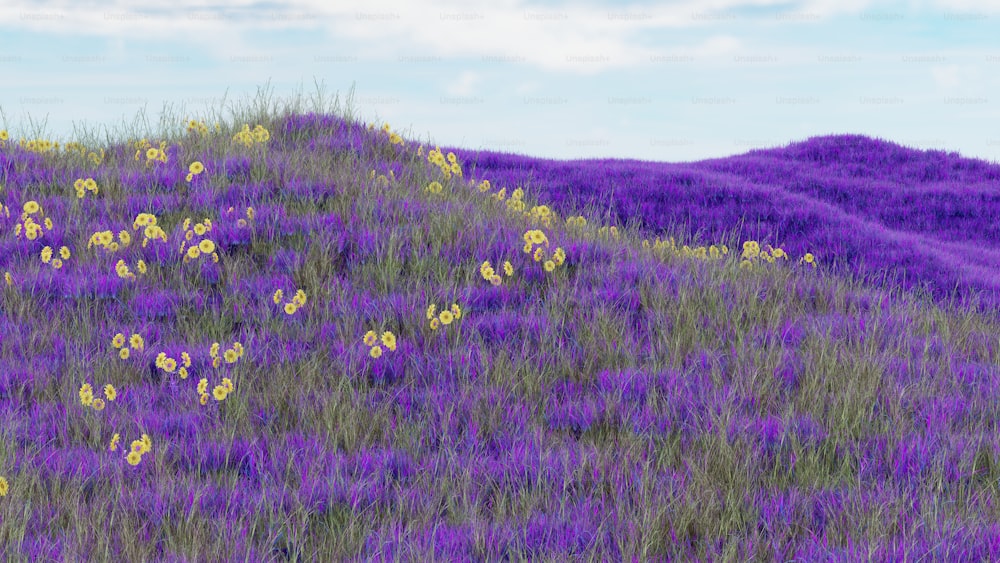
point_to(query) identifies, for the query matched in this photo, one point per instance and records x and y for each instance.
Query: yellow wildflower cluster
(38, 145)
(135, 342)
(107, 240)
(81, 185)
(194, 169)
(32, 230)
(87, 398)
(371, 340)
(3, 137)
(9, 279)
(82, 152)
(230, 355)
(486, 270)
(220, 392)
(169, 364)
(248, 137)
(137, 450)
(198, 127)
(449, 166)
(242, 222)
(56, 263)
(298, 300)
(204, 246)
(152, 231)
(534, 237)
(434, 187)
(393, 137)
(445, 318)
(712, 252)
(152, 154)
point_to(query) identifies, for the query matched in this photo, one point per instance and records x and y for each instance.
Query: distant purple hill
(861, 205)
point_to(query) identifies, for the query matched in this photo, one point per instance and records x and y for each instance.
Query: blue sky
(670, 81)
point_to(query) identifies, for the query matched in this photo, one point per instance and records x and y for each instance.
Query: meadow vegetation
(290, 335)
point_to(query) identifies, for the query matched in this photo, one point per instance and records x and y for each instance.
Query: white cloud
(575, 38)
(464, 85)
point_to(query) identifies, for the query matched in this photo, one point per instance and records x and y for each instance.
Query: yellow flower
(31, 207)
(203, 398)
(456, 310)
(508, 269)
(196, 167)
(110, 392)
(389, 339)
(4, 487)
(199, 229)
(194, 252)
(186, 358)
(375, 352)
(136, 342)
(90, 185)
(134, 457)
(231, 356)
(78, 184)
(538, 254)
(141, 266)
(495, 280)
(300, 298)
(183, 372)
(114, 442)
(189, 177)
(219, 392)
(213, 350)
(46, 254)
(446, 317)
(239, 348)
(278, 294)
(123, 353)
(118, 341)
(549, 265)
(152, 153)
(430, 311)
(98, 405)
(9, 279)
(228, 384)
(169, 365)
(538, 237)
(206, 246)
(435, 323)
(370, 338)
(290, 308)
(202, 385)
(64, 252)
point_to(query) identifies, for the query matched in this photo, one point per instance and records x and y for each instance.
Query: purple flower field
(293, 336)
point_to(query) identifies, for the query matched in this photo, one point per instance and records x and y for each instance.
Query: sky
(672, 81)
